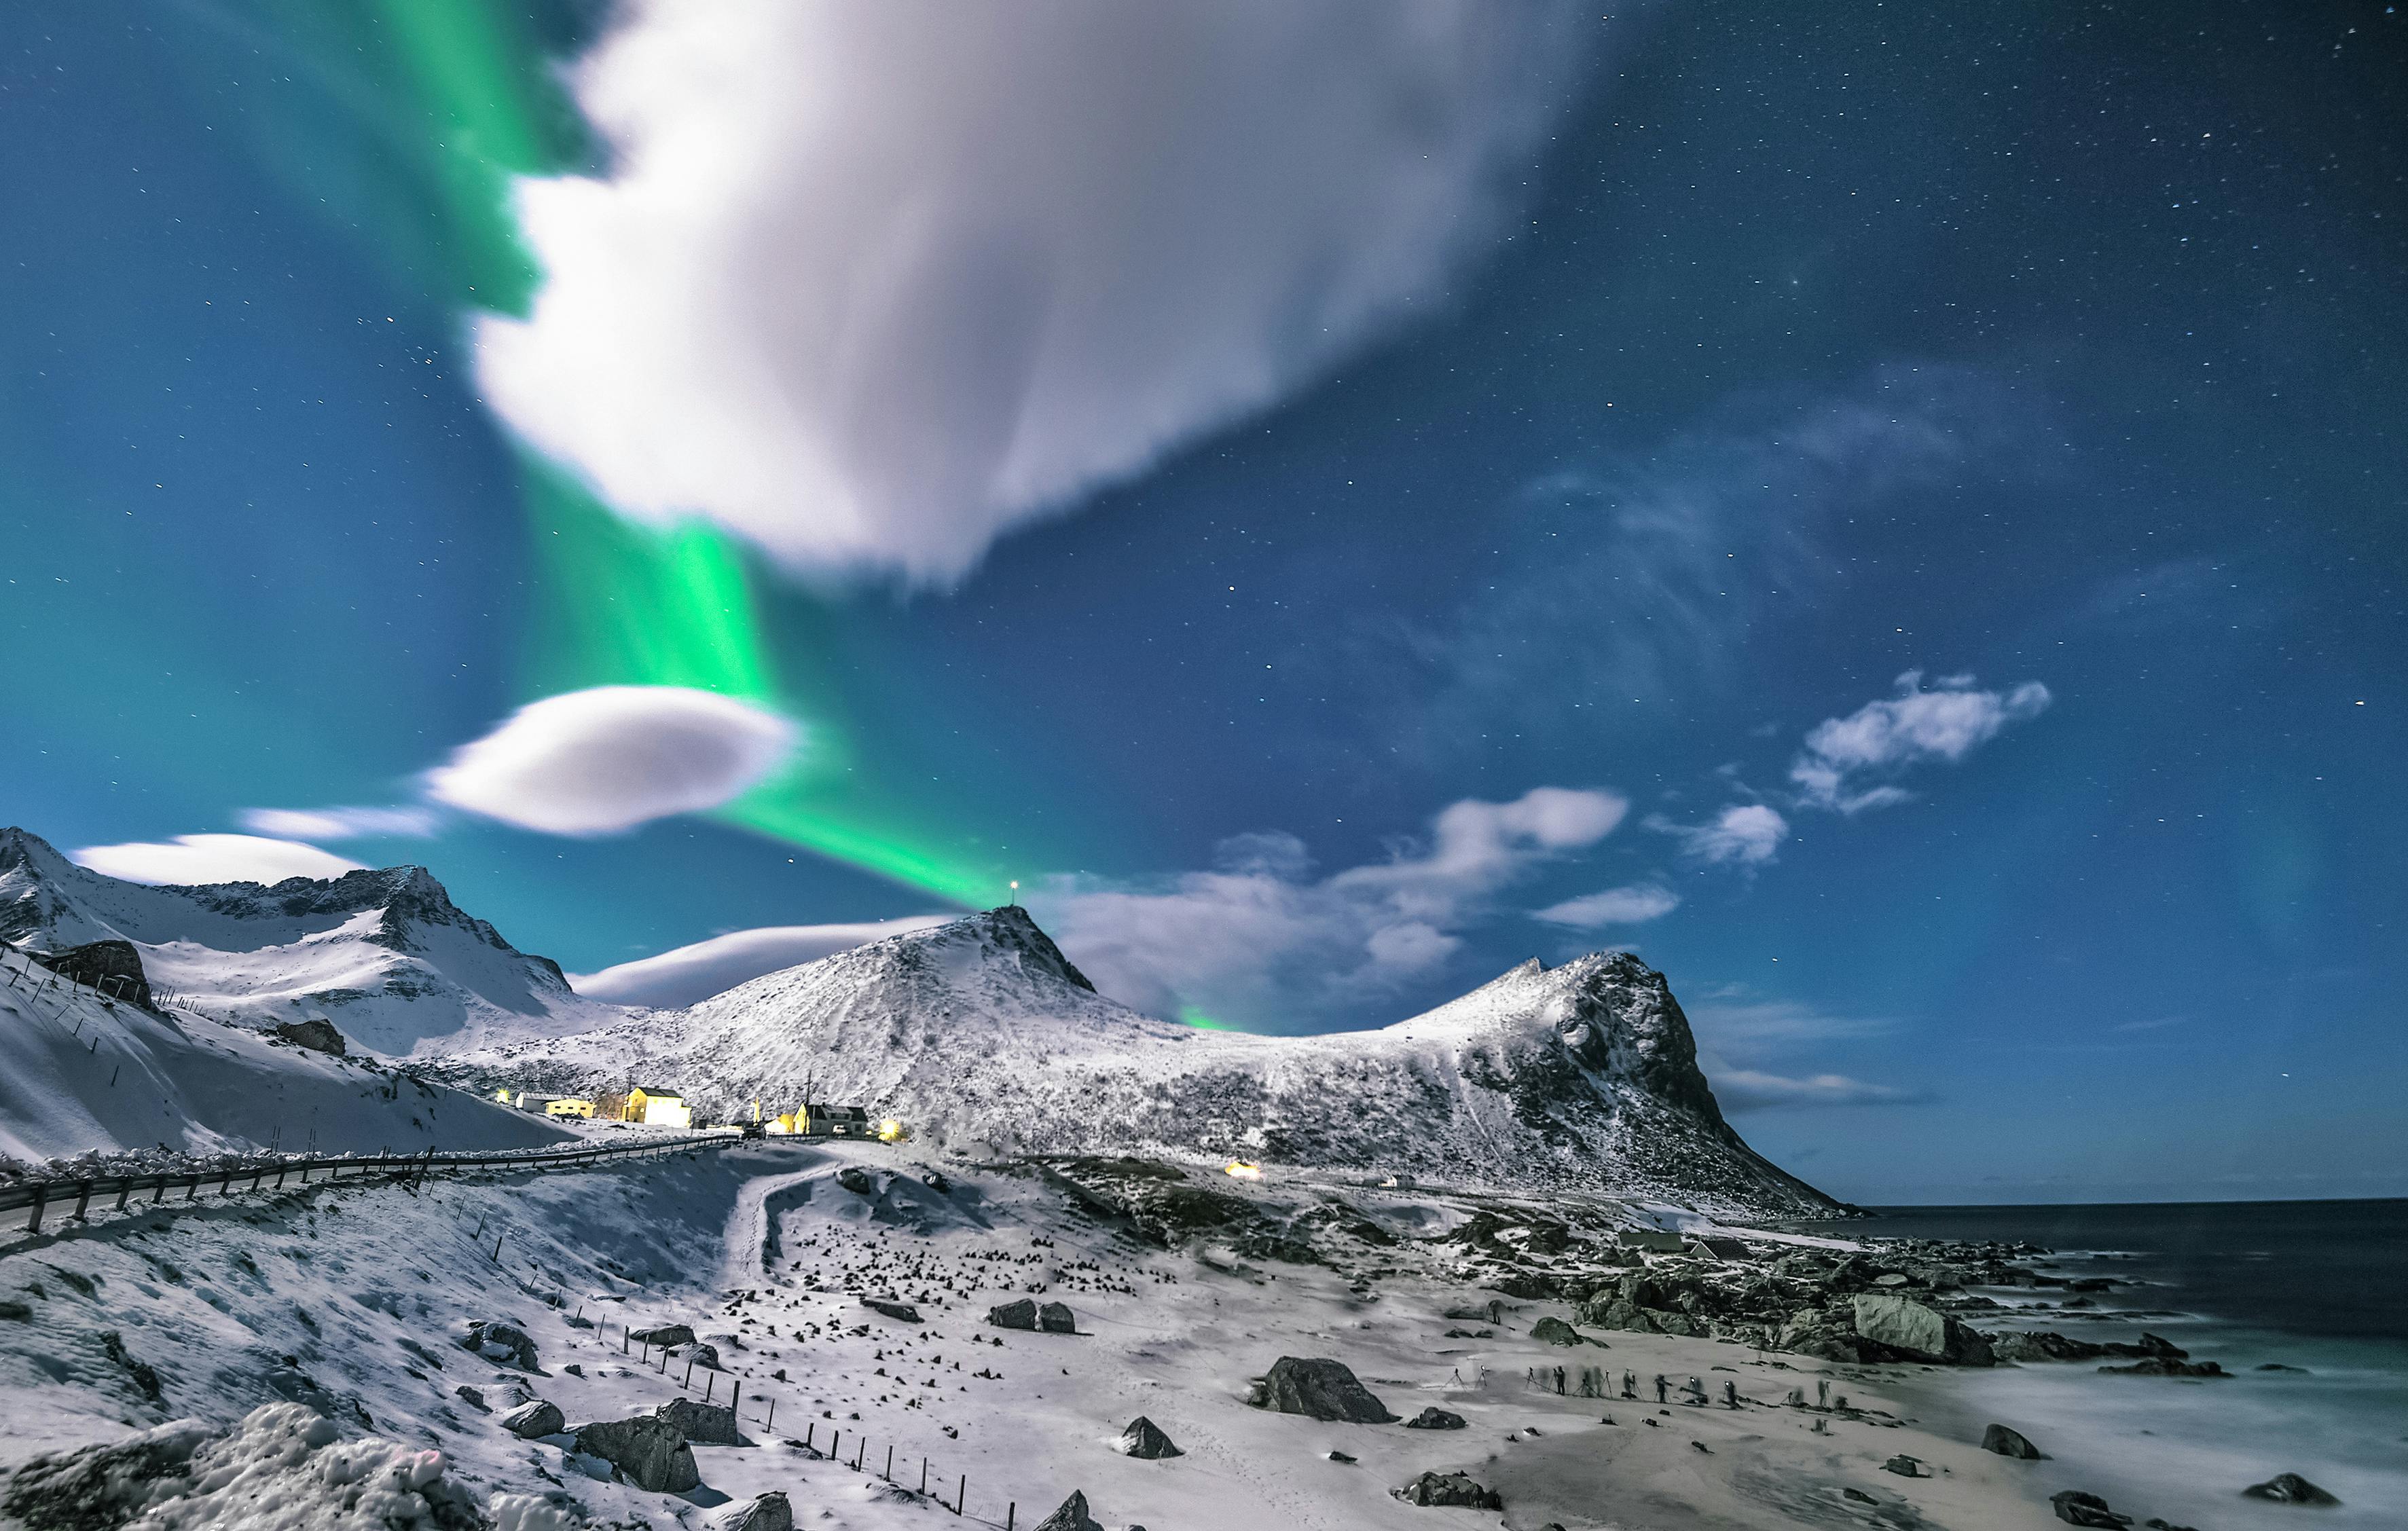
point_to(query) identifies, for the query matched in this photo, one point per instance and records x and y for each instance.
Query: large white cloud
(1944, 722)
(212, 858)
(604, 760)
(870, 284)
(688, 975)
(1262, 942)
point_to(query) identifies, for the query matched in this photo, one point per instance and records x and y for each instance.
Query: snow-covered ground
(80, 1074)
(352, 1299)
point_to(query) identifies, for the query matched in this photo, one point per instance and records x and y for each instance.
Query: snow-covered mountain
(385, 955)
(1583, 1076)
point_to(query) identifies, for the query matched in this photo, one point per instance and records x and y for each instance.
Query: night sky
(1924, 486)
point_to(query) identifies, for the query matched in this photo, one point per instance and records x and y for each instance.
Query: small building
(657, 1108)
(833, 1121)
(560, 1106)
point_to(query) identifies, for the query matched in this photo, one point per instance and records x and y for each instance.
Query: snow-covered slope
(385, 955)
(1581, 1075)
(81, 1074)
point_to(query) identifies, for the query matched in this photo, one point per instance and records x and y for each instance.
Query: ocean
(2320, 1286)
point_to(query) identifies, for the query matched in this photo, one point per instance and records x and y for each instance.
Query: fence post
(125, 1189)
(41, 1195)
(889, 1473)
(771, 1422)
(83, 1200)
(962, 1495)
(734, 1392)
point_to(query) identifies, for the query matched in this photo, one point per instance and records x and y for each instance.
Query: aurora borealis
(1765, 367)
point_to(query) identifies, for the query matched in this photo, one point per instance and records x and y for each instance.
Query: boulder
(1318, 1388)
(855, 1179)
(648, 1450)
(2289, 1488)
(498, 1340)
(111, 967)
(664, 1334)
(534, 1419)
(473, 1398)
(1145, 1440)
(901, 1311)
(1055, 1318)
(702, 1352)
(1072, 1516)
(1454, 1490)
(935, 1181)
(1435, 1418)
(1555, 1331)
(1920, 1332)
(2075, 1507)
(1906, 1467)
(2006, 1442)
(770, 1511)
(711, 1424)
(1019, 1314)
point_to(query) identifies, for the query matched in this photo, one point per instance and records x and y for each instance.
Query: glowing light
(1245, 1171)
(890, 1131)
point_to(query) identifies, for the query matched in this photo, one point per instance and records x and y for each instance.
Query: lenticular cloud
(870, 284)
(600, 761)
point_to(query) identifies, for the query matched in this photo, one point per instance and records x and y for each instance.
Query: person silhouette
(1662, 1387)
(1629, 1383)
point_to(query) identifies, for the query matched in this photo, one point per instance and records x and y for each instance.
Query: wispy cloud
(1259, 939)
(1846, 760)
(343, 824)
(1743, 835)
(1752, 1090)
(1742, 1033)
(871, 284)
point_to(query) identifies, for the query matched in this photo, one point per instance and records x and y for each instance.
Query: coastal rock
(770, 1511)
(2289, 1488)
(2159, 1365)
(1435, 1418)
(534, 1419)
(2006, 1442)
(1318, 1389)
(2075, 1507)
(1071, 1516)
(1454, 1490)
(649, 1451)
(1918, 1332)
(1145, 1440)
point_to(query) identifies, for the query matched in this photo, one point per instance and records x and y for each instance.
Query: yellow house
(568, 1105)
(658, 1108)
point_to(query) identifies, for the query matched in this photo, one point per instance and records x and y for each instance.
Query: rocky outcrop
(317, 1034)
(648, 1450)
(1145, 1440)
(1318, 1388)
(1055, 1318)
(2160, 1365)
(1435, 1418)
(664, 1334)
(111, 969)
(1555, 1331)
(1018, 1313)
(902, 1312)
(1452, 1490)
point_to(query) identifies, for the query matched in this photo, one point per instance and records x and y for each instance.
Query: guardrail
(118, 1193)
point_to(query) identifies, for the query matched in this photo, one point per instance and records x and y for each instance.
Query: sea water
(2320, 1286)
